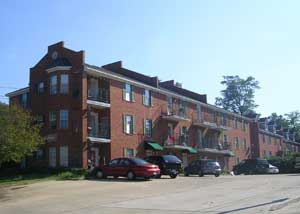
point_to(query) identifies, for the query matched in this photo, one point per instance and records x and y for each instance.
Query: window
(224, 119)
(128, 94)
(24, 99)
(114, 162)
(148, 128)
(245, 145)
(147, 98)
(264, 138)
(40, 119)
(52, 157)
(270, 140)
(225, 138)
(41, 88)
(64, 119)
(39, 154)
(215, 117)
(235, 123)
(64, 156)
(53, 85)
(244, 125)
(276, 142)
(270, 153)
(237, 143)
(182, 108)
(52, 119)
(170, 105)
(265, 153)
(128, 124)
(129, 153)
(64, 84)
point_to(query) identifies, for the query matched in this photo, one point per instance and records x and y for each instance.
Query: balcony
(216, 148)
(99, 135)
(98, 98)
(179, 142)
(207, 123)
(175, 115)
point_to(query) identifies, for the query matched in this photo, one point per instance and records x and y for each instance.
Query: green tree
(238, 96)
(19, 136)
(293, 119)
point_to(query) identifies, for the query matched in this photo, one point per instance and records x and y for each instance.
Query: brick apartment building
(95, 114)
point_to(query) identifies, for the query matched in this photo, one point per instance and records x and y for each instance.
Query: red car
(128, 167)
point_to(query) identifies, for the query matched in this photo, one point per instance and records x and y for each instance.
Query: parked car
(254, 166)
(168, 164)
(127, 167)
(203, 167)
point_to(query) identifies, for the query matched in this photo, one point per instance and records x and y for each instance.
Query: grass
(23, 178)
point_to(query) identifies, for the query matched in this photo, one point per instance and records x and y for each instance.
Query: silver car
(203, 167)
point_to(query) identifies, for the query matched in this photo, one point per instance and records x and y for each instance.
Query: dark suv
(254, 166)
(168, 164)
(203, 167)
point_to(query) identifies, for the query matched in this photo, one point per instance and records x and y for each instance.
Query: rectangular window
(244, 125)
(63, 119)
(237, 143)
(265, 153)
(270, 140)
(245, 145)
(64, 84)
(170, 105)
(224, 119)
(129, 153)
(24, 100)
(40, 154)
(52, 119)
(148, 128)
(270, 153)
(40, 119)
(41, 88)
(182, 108)
(64, 156)
(215, 117)
(128, 124)
(128, 93)
(147, 97)
(53, 85)
(264, 138)
(52, 157)
(235, 123)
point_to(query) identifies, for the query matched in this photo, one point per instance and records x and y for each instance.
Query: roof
(18, 92)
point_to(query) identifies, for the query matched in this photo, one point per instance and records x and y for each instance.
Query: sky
(193, 42)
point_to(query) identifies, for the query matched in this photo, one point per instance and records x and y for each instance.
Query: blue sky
(193, 42)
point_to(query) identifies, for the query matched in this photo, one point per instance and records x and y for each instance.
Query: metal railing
(99, 94)
(99, 132)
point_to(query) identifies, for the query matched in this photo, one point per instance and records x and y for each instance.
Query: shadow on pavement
(254, 206)
(122, 180)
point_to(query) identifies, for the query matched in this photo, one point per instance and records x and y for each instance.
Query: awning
(153, 146)
(191, 150)
(182, 148)
(229, 154)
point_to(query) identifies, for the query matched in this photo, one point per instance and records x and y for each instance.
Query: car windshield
(212, 163)
(171, 159)
(139, 162)
(262, 161)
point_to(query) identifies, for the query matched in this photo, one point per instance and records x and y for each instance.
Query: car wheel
(173, 176)
(200, 173)
(130, 175)
(100, 174)
(217, 174)
(158, 176)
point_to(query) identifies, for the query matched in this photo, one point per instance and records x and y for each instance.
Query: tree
(293, 119)
(19, 136)
(238, 96)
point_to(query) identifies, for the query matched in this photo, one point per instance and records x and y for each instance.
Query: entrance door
(95, 156)
(94, 124)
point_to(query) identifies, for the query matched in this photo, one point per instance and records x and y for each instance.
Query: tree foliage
(19, 136)
(238, 96)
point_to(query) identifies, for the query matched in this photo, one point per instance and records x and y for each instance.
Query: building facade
(91, 114)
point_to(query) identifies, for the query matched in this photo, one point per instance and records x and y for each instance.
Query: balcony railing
(206, 122)
(99, 95)
(175, 113)
(99, 134)
(182, 140)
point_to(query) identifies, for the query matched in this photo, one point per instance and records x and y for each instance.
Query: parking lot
(225, 194)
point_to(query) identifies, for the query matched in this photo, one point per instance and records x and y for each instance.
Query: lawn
(33, 177)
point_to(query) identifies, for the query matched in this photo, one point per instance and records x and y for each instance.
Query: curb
(285, 204)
